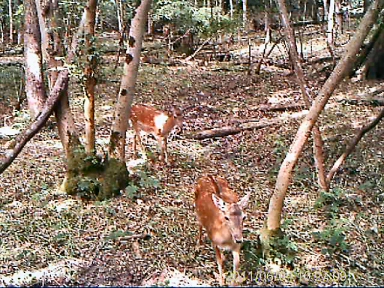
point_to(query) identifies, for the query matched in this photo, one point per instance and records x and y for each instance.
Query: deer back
(153, 121)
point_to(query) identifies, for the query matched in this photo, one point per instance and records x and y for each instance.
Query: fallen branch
(352, 145)
(198, 50)
(39, 122)
(373, 101)
(280, 107)
(235, 129)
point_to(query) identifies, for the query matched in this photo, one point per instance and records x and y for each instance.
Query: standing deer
(158, 123)
(220, 212)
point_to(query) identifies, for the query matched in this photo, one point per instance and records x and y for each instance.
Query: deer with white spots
(158, 123)
(221, 214)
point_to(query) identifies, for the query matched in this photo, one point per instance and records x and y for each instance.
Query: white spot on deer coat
(160, 121)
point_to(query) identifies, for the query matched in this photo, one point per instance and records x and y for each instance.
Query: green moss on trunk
(92, 178)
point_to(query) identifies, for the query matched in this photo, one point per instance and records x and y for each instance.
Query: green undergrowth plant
(141, 180)
(277, 248)
(333, 237)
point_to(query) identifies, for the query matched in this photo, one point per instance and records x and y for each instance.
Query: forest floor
(148, 235)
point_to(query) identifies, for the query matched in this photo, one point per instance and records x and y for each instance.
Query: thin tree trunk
(128, 82)
(330, 23)
(231, 8)
(89, 71)
(34, 84)
(318, 141)
(245, 6)
(342, 69)
(119, 18)
(10, 21)
(325, 15)
(352, 146)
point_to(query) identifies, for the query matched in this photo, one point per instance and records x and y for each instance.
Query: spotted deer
(158, 123)
(221, 214)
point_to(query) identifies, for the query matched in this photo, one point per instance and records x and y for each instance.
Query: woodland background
(253, 78)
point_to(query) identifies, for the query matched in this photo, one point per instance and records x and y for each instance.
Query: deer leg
(162, 143)
(220, 261)
(165, 149)
(141, 144)
(236, 264)
(200, 234)
(134, 145)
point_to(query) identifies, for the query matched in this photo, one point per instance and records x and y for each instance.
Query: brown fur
(223, 225)
(144, 117)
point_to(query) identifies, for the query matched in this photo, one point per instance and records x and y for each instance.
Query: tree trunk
(55, 49)
(10, 21)
(318, 141)
(325, 15)
(39, 122)
(119, 16)
(330, 28)
(374, 64)
(231, 8)
(245, 6)
(339, 16)
(344, 66)
(128, 82)
(34, 84)
(89, 71)
(352, 146)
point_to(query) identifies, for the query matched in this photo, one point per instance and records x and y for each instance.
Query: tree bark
(341, 70)
(39, 122)
(247, 124)
(330, 26)
(374, 67)
(34, 83)
(90, 71)
(352, 146)
(10, 21)
(55, 49)
(318, 141)
(128, 82)
(245, 6)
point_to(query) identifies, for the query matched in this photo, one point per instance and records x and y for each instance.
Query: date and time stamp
(304, 276)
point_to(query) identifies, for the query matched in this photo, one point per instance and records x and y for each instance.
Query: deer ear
(219, 203)
(244, 201)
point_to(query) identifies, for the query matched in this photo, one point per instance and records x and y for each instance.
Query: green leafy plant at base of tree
(142, 181)
(279, 248)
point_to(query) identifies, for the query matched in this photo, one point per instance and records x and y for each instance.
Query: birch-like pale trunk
(34, 80)
(10, 21)
(331, 24)
(341, 70)
(245, 6)
(128, 82)
(231, 8)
